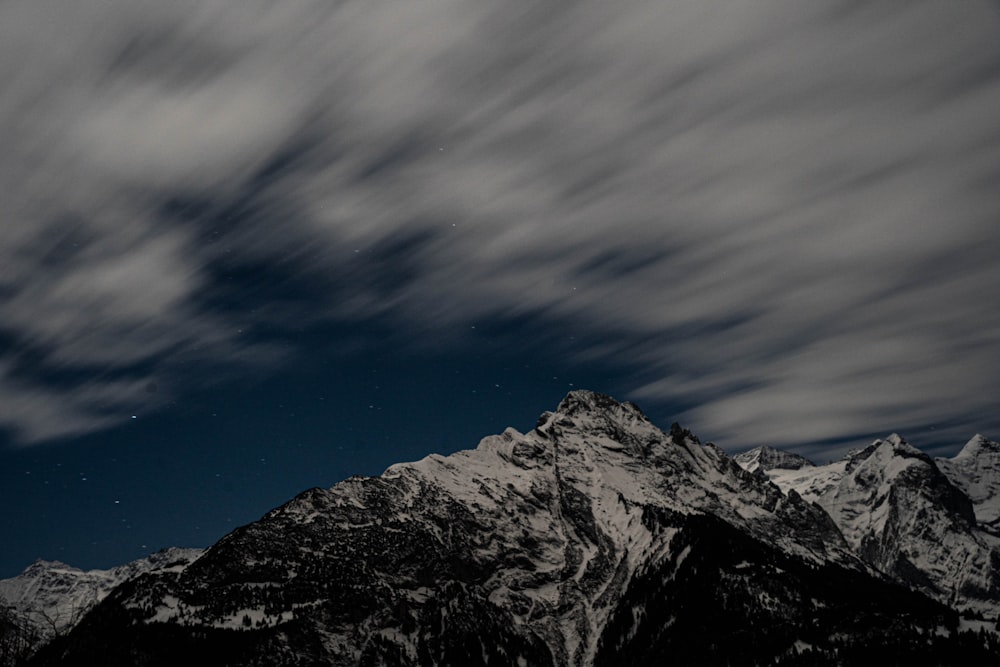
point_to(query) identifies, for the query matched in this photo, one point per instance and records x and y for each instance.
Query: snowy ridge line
(930, 523)
(54, 596)
(595, 538)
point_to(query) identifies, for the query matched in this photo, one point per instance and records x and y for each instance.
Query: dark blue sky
(187, 473)
(247, 248)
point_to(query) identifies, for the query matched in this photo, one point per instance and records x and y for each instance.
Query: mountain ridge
(896, 505)
(594, 536)
(52, 596)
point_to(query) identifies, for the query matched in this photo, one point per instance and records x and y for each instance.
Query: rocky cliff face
(976, 471)
(54, 596)
(763, 459)
(594, 539)
(900, 512)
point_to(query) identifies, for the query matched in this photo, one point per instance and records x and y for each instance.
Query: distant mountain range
(52, 596)
(594, 539)
(928, 523)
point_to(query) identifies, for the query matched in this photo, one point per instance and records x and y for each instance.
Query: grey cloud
(783, 211)
(37, 414)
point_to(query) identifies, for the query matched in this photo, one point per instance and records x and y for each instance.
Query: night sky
(247, 247)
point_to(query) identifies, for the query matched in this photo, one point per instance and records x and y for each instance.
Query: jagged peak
(900, 446)
(896, 440)
(766, 458)
(893, 442)
(586, 401)
(584, 410)
(41, 565)
(884, 449)
(977, 445)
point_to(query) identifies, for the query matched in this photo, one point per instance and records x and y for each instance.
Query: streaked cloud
(785, 212)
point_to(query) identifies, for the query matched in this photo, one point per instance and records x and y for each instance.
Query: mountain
(53, 596)
(766, 458)
(594, 539)
(976, 471)
(901, 513)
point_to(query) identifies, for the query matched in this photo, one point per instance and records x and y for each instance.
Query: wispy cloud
(786, 212)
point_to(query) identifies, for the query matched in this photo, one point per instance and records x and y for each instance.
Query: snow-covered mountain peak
(894, 454)
(900, 446)
(42, 566)
(581, 401)
(765, 458)
(558, 518)
(590, 441)
(593, 539)
(976, 446)
(54, 595)
(911, 516)
(883, 451)
(592, 413)
(976, 471)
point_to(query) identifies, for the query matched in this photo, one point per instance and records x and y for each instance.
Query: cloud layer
(787, 213)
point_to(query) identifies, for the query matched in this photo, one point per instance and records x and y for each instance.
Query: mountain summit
(764, 459)
(594, 539)
(914, 518)
(53, 596)
(976, 471)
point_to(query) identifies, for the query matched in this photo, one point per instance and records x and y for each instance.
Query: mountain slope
(899, 512)
(594, 536)
(976, 471)
(766, 458)
(54, 596)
